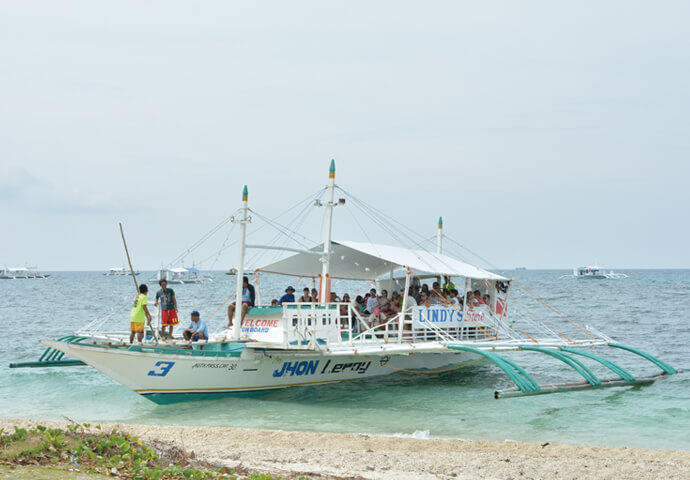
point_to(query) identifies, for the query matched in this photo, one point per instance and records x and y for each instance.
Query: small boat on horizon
(119, 272)
(594, 272)
(182, 276)
(21, 273)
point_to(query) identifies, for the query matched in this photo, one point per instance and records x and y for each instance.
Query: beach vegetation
(92, 451)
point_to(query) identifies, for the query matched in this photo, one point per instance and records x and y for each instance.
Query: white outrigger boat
(25, 273)
(182, 276)
(118, 272)
(594, 272)
(326, 342)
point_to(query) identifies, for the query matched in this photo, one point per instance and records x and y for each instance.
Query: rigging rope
(542, 321)
(205, 237)
(229, 298)
(557, 312)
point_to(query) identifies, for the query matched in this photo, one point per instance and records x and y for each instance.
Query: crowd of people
(377, 308)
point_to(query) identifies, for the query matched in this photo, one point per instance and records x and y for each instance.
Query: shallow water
(647, 311)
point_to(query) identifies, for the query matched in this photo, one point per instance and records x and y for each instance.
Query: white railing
(313, 324)
(437, 323)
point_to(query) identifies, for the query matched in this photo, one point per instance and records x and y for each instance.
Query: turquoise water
(648, 311)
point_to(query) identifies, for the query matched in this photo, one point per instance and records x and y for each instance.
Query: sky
(547, 134)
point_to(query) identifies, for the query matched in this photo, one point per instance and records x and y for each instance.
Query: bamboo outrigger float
(324, 342)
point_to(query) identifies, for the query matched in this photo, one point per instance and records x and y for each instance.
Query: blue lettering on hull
(309, 368)
(297, 368)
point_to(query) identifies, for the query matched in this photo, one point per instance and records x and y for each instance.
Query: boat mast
(325, 293)
(237, 321)
(439, 243)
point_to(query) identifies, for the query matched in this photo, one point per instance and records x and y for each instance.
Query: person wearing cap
(197, 329)
(288, 296)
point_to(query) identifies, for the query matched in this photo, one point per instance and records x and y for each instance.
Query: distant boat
(594, 272)
(233, 270)
(21, 273)
(182, 276)
(118, 272)
(520, 268)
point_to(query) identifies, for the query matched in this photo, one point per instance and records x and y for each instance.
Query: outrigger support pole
(516, 373)
(52, 357)
(525, 385)
(668, 369)
(617, 369)
(577, 365)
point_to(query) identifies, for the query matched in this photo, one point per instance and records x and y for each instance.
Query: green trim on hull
(170, 398)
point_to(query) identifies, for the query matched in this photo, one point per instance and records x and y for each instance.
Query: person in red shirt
(168, 302)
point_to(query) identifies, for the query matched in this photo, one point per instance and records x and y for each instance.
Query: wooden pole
(129, 260)
(134, 277)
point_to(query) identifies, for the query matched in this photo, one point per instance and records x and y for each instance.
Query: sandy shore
(330, 455)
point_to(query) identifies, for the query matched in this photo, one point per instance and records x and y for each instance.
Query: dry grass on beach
(342, 456)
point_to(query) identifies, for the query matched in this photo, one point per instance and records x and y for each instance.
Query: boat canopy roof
(366, 261)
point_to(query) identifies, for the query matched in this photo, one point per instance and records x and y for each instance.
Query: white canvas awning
(365, 261)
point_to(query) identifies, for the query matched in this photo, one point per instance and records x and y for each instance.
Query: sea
(648, 310)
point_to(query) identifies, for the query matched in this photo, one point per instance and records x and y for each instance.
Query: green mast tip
(331, 171)
(245, 193)
(440, 222)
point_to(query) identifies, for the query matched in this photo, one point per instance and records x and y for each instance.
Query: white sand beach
(331, 455)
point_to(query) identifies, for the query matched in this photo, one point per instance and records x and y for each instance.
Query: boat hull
(168, 378)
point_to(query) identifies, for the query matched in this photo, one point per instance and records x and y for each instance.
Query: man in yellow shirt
(140, 313)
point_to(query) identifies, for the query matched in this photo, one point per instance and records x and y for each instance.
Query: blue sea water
(648, 311)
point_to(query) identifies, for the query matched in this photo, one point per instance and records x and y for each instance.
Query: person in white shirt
(454, 300)
(372, 302)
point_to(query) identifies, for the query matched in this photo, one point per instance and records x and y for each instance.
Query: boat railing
(312, 324)
(422, 324)
(369, 332)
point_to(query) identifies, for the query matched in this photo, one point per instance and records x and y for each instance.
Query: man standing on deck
(168, 308)
(140, 313)
(248, 296)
